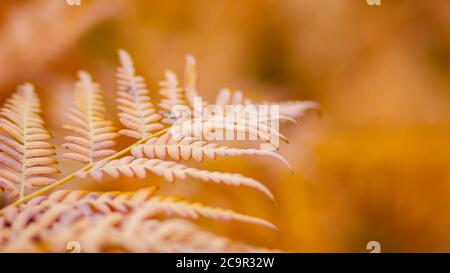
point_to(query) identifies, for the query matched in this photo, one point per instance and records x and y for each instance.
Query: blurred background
(375, 166)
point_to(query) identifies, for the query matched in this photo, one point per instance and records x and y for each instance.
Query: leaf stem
(85, 168)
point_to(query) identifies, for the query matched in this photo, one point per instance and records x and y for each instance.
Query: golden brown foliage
(116, 220)
(136, 112)
(36, 220)
(94, 135)
(188, 148)
(26, 155)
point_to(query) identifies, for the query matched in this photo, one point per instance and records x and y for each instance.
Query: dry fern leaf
(295, 109)
(246, 111)
(136, 111)
(173, 96)
(188, 148)
(191, 80)
(169, 170)
(118, 233)
(226, 97)
(288, 110)
(65, 209)
(74, 196)
(94, 135)
(26, 155)
(180, 207)
(133, 232)
(90, 203)
(178, 235)
(201, 128)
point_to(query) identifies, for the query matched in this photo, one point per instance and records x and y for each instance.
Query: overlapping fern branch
(27, 158)
(52, 218)
(93, 135)
(136, 111)
(26, 155)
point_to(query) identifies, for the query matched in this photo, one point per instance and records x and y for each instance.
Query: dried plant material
(63, 210)
(296, 109)
(73, 196)
(169, 170)
(189, 148)
(26, 155)
(222, 123)
(128, 233)
(136, 111)
(91, 203)
(103, 221)
(288, 110)
(173, 96)
(226, 97)
(191, 80)
(178, 206)
(94, 134)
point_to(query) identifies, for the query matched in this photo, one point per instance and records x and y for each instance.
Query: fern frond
(226, 97)
(136, 111)
(90, 203)
(26, 155)
(288, 110)
(94, 135)
(295, 109)
(117, 232)
(169, 170)
(201, 128)
(188, 148)
(172, 96)
(191, 80)
(78, 196)
(181, 207)
(65, 209)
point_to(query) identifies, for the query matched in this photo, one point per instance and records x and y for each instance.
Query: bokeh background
(375, 166)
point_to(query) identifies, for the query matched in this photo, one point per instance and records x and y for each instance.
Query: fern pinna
(39, 216)
(26, 154)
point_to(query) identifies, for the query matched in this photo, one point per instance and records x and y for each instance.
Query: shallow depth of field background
(374, 166)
